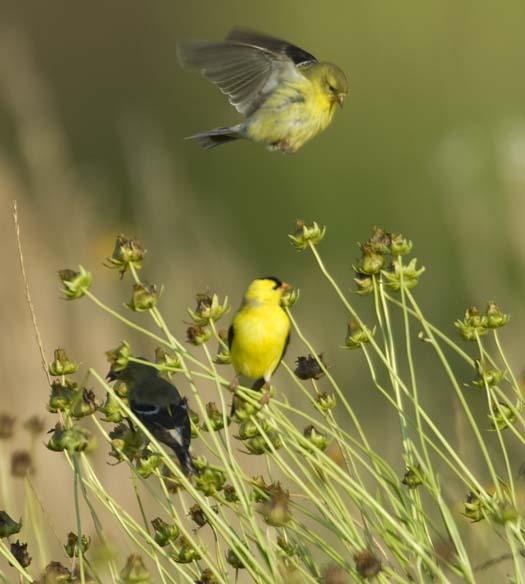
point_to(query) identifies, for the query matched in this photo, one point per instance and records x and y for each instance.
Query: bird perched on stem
(286, 94)
(159, 406)
(259, 333)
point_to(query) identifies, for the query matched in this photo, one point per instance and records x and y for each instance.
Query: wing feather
(247, 66)
(275, 45)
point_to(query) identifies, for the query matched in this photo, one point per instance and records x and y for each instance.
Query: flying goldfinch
(286, 94)
(159, 406)
(259, 333)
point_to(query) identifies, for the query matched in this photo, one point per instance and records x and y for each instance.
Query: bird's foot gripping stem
(265, 399)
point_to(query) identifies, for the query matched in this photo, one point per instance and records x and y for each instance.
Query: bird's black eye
(331, 88)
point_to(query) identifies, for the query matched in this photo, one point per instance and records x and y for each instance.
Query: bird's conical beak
(111, 376)
(341, 99)
(285, 287)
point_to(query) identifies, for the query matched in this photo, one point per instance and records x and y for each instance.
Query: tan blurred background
(94, 109)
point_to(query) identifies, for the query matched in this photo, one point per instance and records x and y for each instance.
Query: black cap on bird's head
(266, 289)
(132, 372)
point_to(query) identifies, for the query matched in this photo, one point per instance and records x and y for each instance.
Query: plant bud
(503, 415)
(74, 546)
(19, 551)
(325, 402)
(207, 577)
(261, 490)
(127, 443)
(56, 573)
(287, 547)
(364, 283)
(475, 508)
(135, 571)
(119, 357)
(403, 276)
(474, 325)
(148, 464)
(413, 477)
(75, 439)
(372, 261)
(144, 297)
(249, 429)
(83, 404)
(244, 409)
(316, 438)
(8, 526)
(230, 494)
(62, 396)
(259, 444)
(62, 365)
(357, 334)
(310, 367)
(366, 564)
(127, 252)
(208, 309)
(185, 553)
(167, 362)
(487, 376)
(275, 510)
(197, 515)
(234, 560)
(215, 417)
(290, 297)
(210, 481)
(164, 532)
(399, 245)
(306, 235)
(495, 318)
(75, 284)
(380, 241)
(197, 335)
(112, 410)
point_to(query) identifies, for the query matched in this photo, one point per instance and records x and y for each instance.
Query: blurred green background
(94, 109)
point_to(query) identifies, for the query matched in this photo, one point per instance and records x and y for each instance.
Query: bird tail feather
(216, 137)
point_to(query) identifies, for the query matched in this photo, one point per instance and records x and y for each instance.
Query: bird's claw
(265, 399)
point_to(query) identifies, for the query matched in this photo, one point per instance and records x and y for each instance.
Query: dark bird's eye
(331, 88)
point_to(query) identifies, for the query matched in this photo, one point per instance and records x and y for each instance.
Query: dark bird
(158, 404)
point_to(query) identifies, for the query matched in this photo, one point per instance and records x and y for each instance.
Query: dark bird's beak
(111, 376)
(341, 99)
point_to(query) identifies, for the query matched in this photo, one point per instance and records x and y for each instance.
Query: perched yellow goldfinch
(259, 332)
(286, 94)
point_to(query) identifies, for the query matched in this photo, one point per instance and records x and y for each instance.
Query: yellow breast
(260, 335)
(291, 116)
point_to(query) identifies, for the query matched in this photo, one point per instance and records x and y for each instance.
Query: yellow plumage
(286, 94)
(259, 331)
(292, 115)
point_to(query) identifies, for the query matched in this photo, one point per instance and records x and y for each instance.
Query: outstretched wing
(247, 66)
(277, 46)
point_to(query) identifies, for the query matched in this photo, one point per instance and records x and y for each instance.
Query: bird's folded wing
(246, 66)
(173, 418)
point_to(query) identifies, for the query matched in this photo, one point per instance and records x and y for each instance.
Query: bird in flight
(286, 95)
